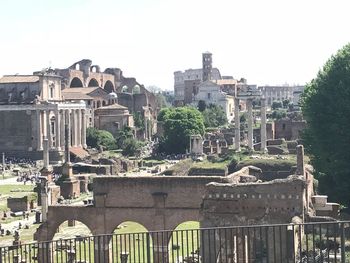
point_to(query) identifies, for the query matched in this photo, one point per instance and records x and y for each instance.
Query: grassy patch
(15, 191)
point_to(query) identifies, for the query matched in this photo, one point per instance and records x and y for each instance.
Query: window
(51, 92)
(283, 126)
(209, 96)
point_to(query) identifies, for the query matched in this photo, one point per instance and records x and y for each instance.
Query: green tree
(123, 134)
(96, 138)
(278, 114)
(201, 105)
(214, 116)
(276, 105)
(179, 124)
(326, 108)
(139, 121)
(285, 103)
(131, 147)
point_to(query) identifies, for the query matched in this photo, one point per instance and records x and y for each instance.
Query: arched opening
(98, 104)
(136, 89)
(76, 83)
(109, 87)
(63, 247)
(125, 89)
(104, 103)
(93, 83)
(132, 240)
(184, 242)
(77, 66)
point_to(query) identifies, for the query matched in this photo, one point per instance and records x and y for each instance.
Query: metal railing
(282, 243)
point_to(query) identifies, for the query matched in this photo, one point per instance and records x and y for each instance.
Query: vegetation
(139, 120)
(202, 105)
(326, 108)
(132, 147)
(179, 124)
(96, 138)
(214, 116)
(276, 105)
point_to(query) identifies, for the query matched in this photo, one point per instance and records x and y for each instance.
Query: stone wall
(16, 135)
(18, 204)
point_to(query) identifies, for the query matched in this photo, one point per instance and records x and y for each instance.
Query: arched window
(136, 89)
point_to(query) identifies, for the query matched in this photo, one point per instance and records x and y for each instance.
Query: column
(39, 135)
(46, 153)
(67, 136)
(72, 127)
(48, 128)
(250, 123)
(263, 125)
(300, 160)
(83, 130)
(79, 127)
(58, 130)
(62, 127)
(237, 126)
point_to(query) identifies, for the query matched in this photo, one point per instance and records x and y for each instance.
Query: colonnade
(249, 102)
(51, 124)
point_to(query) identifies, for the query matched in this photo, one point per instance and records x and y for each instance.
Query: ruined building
(126, 91)
(31, 109)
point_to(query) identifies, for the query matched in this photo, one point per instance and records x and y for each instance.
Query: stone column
(39, 129)
(58, 130)
(67, 136)
(263, 125)
(46, 153)
(237, 126)
(79, 127)
(72, 127)
(48, 128)
(62, 126)
(300, 160)
(83, 129)
(250, 123)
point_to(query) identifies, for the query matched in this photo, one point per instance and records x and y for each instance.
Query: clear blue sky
(267, 42)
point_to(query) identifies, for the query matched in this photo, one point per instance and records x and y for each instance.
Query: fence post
(342, 241)
(148, 249)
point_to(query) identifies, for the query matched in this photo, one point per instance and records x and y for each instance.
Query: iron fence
(282, 243)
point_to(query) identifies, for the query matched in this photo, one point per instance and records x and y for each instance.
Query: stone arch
(136, 89)
(95, 69)
(70, 229)
(93, 83)
(184, 241)
(76, 83)
(109, 87)
(133, 238)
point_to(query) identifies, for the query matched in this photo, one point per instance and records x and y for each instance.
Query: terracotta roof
(113, 106)
(19, 79)
(80, 90)
(76, 96)
(225, 81)
(78, 152)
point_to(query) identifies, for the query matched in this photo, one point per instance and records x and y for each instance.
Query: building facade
(212, 93)
(277, 93)
(31, 109)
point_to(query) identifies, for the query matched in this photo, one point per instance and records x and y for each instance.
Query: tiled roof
(76, 96)
(80, 90)
(19, 79)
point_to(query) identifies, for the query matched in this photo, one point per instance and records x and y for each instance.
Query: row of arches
(131, 239)
(77, 83)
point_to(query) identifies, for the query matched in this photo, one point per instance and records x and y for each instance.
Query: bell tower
(206, 66)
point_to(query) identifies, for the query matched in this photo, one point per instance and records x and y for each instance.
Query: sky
(271, 42)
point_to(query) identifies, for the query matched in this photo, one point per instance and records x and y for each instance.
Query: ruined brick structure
(130, 93)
